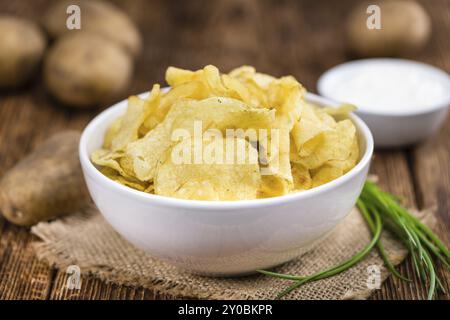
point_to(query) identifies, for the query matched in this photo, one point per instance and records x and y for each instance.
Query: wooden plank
(287, 37)
(430, 162)
(392, 170)
(27, 116)
(93, 288)
(22, 276)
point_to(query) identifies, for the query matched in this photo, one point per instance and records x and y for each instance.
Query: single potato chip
(178, 76)
(311, 125)
(111, 132)
(273, 186)
(132, 183)
(214, 180)
(106, 158)
(333, 144)
(302, 177)
(325, 174)
(343, 110)
(348, 163)
(138, 110)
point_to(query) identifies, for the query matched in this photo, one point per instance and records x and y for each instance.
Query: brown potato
(22, 45)
(45, 184)
(405, 28)
(84, 70)
(96, 16)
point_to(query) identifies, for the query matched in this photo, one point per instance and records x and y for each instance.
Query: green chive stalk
(380, 209)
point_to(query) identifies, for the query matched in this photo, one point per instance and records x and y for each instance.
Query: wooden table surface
(302, 38)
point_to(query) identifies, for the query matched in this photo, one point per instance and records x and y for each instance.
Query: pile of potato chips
(304, 146)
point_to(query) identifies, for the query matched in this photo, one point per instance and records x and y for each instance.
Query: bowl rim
(94, 173)
(395, 114)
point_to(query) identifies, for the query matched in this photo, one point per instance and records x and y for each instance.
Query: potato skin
(406, 27)
(85, 70)
(45, 184)
(96, 17)
(22, 45)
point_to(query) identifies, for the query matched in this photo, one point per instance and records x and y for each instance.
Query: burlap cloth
(87, 240)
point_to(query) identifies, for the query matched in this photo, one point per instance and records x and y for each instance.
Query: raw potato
(45, 184)
(22, 45)
(405, 28)
(98, 17)
(85, 70)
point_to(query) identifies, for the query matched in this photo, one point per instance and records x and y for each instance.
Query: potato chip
(150, 188)
(325, 174)
(286, 96)
(220, 113)
(343, 110)
(248, 73)
(209, 76)
(127, 165)
(214, 181)
(302, 177)
(256, 84)
(106, 158)
(238, 90)
(243, 72)
(333, 144)
(191, 90)
(178, 76)
(111, 132)
(277, 177)
(132, 183)
(213, 80)
(348, 163)
(293, 145)
(138, 110)
(198, 85)
(306, 132)
(273, 186)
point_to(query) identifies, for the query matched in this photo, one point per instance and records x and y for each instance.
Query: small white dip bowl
(228, 237)
(402, 101)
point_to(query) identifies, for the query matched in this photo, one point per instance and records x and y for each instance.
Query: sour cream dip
(395, 90)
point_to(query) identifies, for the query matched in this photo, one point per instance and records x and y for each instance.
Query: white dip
(388, 86)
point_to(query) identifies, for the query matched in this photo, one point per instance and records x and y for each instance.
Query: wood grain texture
(302, 38)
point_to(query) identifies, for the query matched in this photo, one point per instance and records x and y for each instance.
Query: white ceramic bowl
(222, 238)
(394, 128)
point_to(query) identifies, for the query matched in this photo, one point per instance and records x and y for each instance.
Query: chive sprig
(383, 210)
